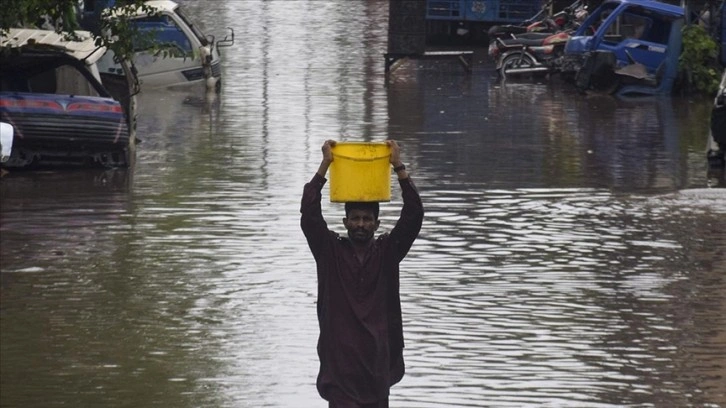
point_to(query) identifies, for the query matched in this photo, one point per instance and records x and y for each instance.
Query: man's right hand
(327, 157)
(327, 151)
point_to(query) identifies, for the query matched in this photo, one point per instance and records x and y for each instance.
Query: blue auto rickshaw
(627, 47)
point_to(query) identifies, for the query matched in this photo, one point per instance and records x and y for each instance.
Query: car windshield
(637, 23)
(196, 29)
(163, 29)
(593, 23)
(62, 79)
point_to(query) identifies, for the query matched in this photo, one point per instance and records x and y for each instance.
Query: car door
(636, 35)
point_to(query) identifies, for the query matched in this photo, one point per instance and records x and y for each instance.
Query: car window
(637, 26)
(163, 30)
(195, 27)
(70, 81)
(43, 82)
(625, 26)
(597, 19)
(62, 80)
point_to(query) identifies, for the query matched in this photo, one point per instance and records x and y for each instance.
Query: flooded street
(573, 252)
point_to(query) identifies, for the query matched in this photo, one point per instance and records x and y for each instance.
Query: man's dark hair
(366, 206)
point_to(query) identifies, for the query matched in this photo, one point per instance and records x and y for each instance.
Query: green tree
(116, 34)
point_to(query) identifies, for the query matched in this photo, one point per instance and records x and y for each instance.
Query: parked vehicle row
(625, 47)
(70, 102)
(539, 49)
(52, 95)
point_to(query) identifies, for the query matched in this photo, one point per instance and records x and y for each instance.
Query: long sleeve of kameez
(311, 221)
(409, 223)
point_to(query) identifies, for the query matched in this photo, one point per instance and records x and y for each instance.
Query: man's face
(361, 225)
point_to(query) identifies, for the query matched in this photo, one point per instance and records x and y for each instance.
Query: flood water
(573, 251)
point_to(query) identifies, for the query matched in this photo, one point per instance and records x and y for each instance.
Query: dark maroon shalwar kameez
(359, 310)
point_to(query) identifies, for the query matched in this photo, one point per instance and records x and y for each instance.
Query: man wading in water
(359, 309)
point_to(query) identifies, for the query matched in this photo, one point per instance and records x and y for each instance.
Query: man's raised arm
(311, 221)
(409, 223)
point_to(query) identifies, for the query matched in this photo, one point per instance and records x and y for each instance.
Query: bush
(698, 64)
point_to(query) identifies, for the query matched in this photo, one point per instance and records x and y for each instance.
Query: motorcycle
(499, 46)
(519, 56)
(537, 51)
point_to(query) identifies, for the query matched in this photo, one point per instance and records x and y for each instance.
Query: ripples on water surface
(572, 254)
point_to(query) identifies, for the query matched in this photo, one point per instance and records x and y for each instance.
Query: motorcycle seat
(522, 42)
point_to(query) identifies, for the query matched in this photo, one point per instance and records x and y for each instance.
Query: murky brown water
(572, 254)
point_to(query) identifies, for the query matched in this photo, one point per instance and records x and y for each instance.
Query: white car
(195, 56)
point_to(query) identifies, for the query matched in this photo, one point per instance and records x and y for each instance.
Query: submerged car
(192, 57)
(61, 114)
(627, 47)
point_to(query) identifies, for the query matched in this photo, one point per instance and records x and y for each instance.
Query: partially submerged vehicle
(60, 112)
(627, 47)
(192, 57)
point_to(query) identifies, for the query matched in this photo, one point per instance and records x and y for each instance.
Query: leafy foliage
(698, 63)
(24, 13)
(116, 33)
(119, 35)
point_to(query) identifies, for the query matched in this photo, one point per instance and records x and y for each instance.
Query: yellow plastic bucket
(360, 172)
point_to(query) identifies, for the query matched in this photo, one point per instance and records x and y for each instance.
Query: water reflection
(560, 298)
(554, 134)
(571, 254)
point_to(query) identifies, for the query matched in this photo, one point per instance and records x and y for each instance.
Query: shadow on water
(572, 252)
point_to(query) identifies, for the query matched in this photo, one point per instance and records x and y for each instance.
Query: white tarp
(85, 48)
